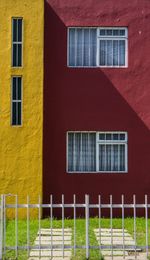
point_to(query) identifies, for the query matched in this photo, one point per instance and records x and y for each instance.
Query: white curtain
(111, 157)
(112, 52)
(81, 152)
(82, 46)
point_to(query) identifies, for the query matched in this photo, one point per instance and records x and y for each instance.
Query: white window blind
(112, 47)
(112, 154)
(82, 47)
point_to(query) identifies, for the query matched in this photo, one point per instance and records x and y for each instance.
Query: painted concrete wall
(21, 147)
(96, 99)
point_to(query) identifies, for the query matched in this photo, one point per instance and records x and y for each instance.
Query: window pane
(108, 158)
(19, 113)
(115, 136)
(115, 32)
(115, 157)
(79, 47)
(102, 159)
(72, 47)
(109, 53)
(82, 152)
(19, 30)
(115, 53)
(122, 157)
(19, 88)
(77, 152)
(14, 55)
(109, 32)
(14, 30)
(122, 136)
(121, 52)
(70, 152)
(14, 110)
(122, 32)
(102, 32)
(93, 34)
(19, 61)
(82, 46)
(85, 152)
(108, 136)
(102, 52)
(92, 151)
(102, 136)
(14, 92)
(86, 47)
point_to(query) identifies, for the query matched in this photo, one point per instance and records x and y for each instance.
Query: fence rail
(74, 246)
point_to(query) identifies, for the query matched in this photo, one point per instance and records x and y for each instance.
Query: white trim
(99, 37)
(105, 142)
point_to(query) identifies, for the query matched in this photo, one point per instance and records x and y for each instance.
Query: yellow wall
(21, 147)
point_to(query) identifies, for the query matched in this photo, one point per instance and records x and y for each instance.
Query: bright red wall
(96, 99)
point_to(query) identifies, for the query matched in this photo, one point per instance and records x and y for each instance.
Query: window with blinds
(97, 47)
(97, 152)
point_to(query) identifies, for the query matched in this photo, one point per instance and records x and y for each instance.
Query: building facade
(21, 91)
(96, 99)
(75, 114)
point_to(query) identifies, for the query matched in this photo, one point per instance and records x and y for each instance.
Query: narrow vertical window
(16, 117)
(17, 42)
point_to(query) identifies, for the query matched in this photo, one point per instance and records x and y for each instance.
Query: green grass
(80, 234)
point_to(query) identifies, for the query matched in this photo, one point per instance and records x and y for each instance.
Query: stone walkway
(57, 240)
(117, 239)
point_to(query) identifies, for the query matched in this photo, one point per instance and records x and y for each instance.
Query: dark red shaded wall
(96, 99)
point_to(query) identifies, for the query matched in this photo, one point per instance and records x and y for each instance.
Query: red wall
(96, 99)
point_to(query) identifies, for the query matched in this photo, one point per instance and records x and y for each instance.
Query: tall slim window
(97, 152)
(16, 117)
(17, 42)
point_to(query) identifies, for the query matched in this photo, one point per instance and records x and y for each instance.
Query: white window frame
(98, 41)
(17, 42)
(16, 100)
(98, 142)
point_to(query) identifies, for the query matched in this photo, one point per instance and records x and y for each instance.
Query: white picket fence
(87, 206)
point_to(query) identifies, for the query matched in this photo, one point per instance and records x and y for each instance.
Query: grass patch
(80, 234)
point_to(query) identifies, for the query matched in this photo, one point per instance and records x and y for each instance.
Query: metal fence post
(87, 225)
(1, 227)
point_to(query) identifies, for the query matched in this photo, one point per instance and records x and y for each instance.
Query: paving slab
(44, 239)
(37, 242)
(116, 234)
(55, 238)
(115, 253)
(117, 242)
(46, 252)
(48, 242)
(114, 237)
(48, 258)
(141, 256)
